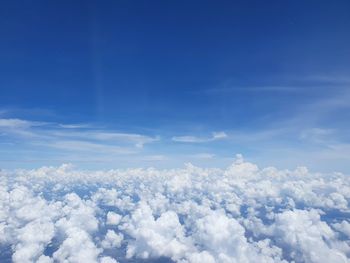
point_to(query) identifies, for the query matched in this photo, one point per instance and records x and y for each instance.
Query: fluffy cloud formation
(189, 215)
(113, 218)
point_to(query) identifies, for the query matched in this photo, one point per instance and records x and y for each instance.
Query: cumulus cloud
(343, 227)
(112, 240)
(113, 218)
(191, 215)
(153, 237)
(302, 231)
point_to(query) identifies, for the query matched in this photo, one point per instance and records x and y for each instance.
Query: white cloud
(77, 247)
(161, 237)
(302, 231)
(32, 240)
(74, 126)
(219, 135)
(65, 138)
(194, 139)
(190, 215)
(112, 240)
(82, 146)
(343, 227)
(113, 218)
(14, 123)
(107, 260)
(203, 155)
(188, 138)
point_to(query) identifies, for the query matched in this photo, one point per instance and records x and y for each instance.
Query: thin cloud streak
(72, 138)
(194, 139)
(296, 84)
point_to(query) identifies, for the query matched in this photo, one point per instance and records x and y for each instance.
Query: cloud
(255, 89)
(83, 146)
(287, 84)
(193, 139)
(137, 139)
(343, 227)
(15, 123)
(32, 240)
(239, 214)
(302, 230)
(203, 156)
(106, 136)
(219, 135)
(315, 133)
(161, 237)
(72, 138)
(113, 218)
(77, 247)
(107, 260)
(112, 240)
(74, 126)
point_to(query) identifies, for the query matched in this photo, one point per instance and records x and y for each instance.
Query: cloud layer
(240, 214)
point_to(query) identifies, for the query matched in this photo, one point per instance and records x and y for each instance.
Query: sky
(174, 131)
(110, 84)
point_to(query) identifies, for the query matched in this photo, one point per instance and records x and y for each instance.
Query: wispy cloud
(317, 135)
(194, 139)
(286, 84)
(74, 126)
(203, 156)
(255, 89)
(84, 146)
(78, 137)
(137, 140)
(16, 123)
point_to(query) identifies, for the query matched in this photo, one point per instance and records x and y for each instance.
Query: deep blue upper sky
(263, 72)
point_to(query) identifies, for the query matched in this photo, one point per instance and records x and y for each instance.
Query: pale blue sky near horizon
(119, 84)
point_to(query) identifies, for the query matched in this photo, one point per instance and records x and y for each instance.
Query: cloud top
(239, 214)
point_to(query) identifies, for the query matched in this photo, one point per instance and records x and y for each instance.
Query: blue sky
(158, 83)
